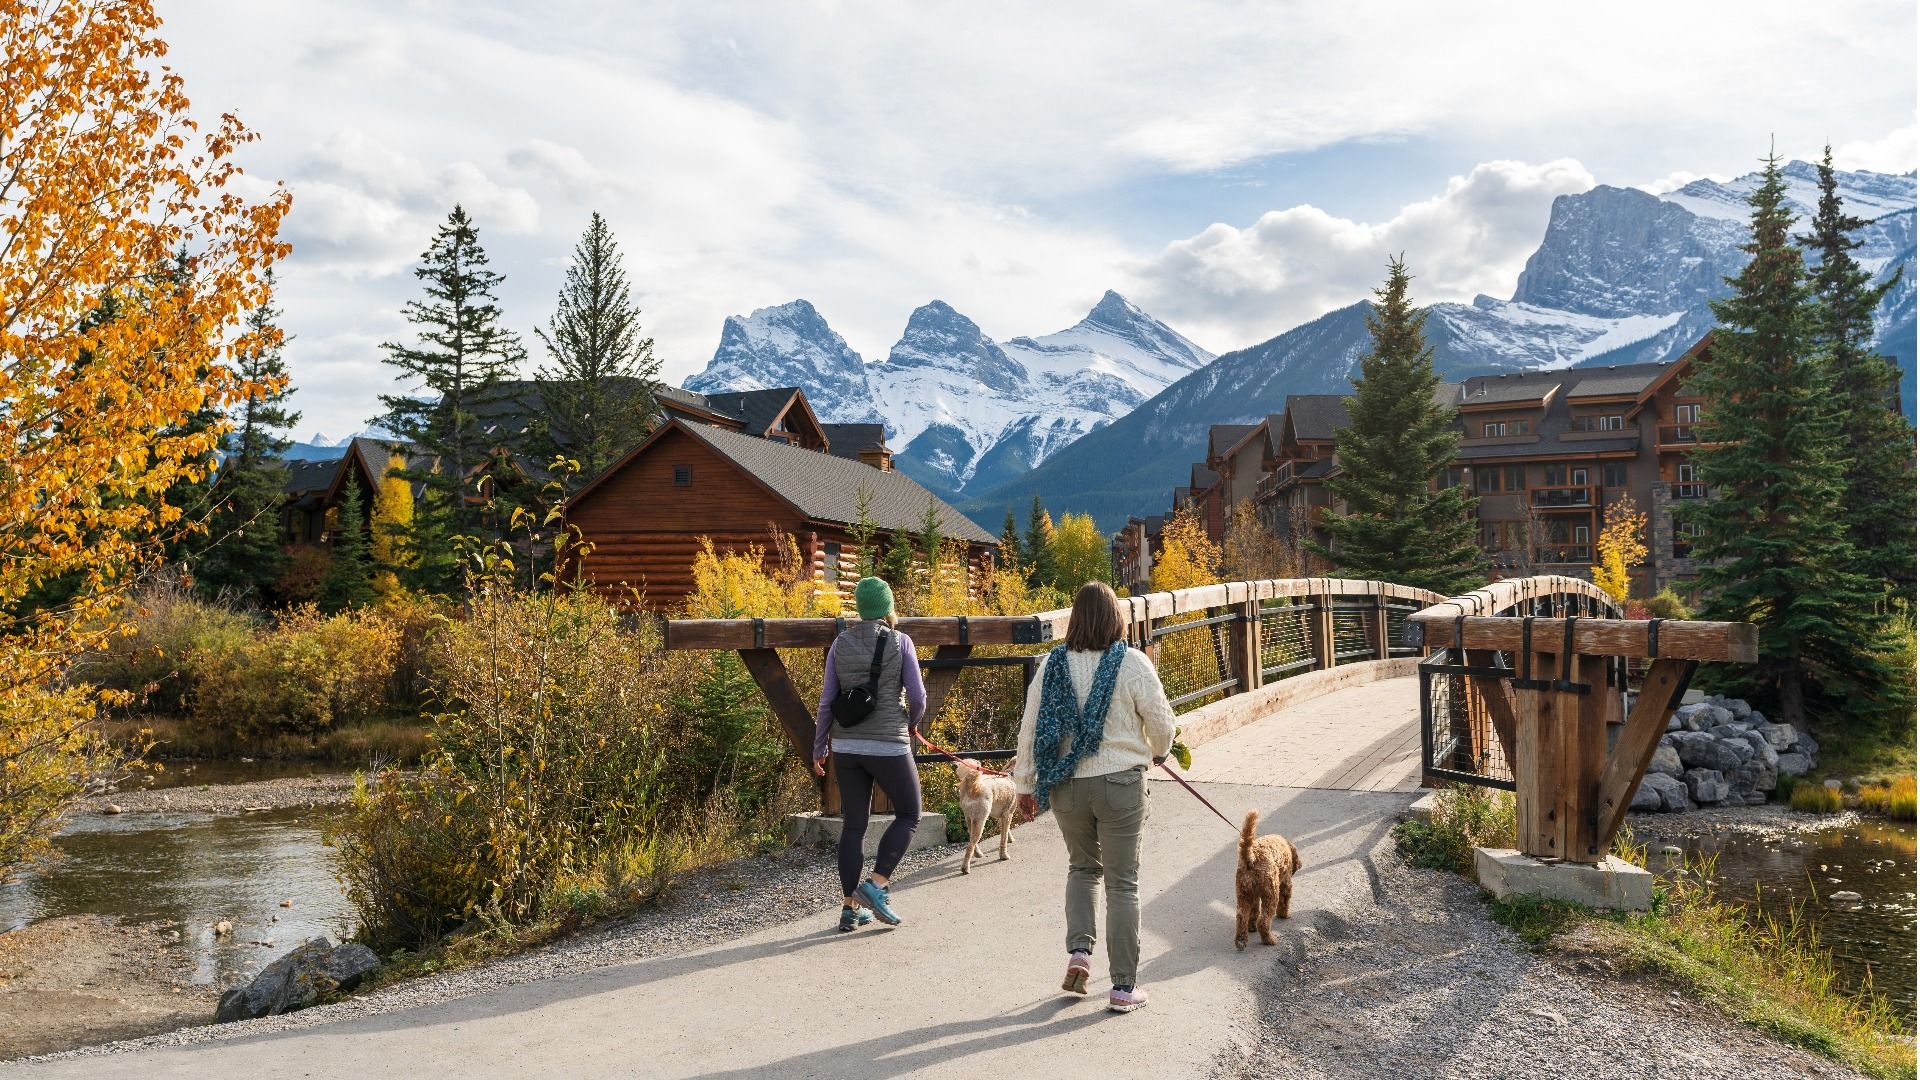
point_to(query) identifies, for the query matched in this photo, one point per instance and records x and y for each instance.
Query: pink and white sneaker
(1079, 966)
(1126, 1001)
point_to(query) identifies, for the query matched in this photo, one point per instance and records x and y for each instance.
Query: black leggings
(900, 779)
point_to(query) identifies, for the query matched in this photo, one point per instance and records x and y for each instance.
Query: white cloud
(1245, 284)
(1897, 151)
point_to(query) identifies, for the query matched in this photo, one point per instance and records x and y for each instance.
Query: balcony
(1566, 554)
(1565, 498)
(1678, 437)
(1689, 490)
(1272, 484)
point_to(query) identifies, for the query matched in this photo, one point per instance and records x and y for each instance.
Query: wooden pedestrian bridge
(1323, 703)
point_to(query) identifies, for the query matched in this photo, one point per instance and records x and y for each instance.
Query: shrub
(1815, 799)
(1464, 817)
(311, 673)
(303, 574)
(1666, 604)
(174, 635)
(1894, 799)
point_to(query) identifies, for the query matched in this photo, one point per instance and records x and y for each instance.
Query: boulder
(1673, 721)
(1779, 736)
(1794, 764)
(1728, 731)
(1739, 709)
(1754, 778)
(298, 979)
(1645, 797)
(1673, 793)
(1697, 749)
(1666, 760)
(1707, 785)
(1740, 747)
(1804, 743)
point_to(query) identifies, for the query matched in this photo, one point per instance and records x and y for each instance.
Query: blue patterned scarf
(1062, 720)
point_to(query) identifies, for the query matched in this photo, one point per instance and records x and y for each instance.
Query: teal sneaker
(875, 897)
(851, 917)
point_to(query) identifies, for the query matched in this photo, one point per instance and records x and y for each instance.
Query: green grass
(1771, 974)
(1816, 799)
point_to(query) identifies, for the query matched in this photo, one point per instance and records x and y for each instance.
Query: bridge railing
(1210, 643)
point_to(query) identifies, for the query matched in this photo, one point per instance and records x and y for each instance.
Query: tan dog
(983, 796)
(1263, 884)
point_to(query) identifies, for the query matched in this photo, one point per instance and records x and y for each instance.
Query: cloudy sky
(1234, 168)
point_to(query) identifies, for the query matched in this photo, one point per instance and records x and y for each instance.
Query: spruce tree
(349, 580)
(1010, 537)
(1036, 550)
(1774, 548)
(244, 555)
(1878, 490)
(462, 353)
(1399, 525)
(598, 395)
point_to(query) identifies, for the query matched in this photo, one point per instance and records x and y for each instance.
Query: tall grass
(1894, 799)
(1464, 817)
(1816, 799)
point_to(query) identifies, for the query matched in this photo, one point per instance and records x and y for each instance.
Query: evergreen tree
(598, 396)
(1398, 525)
(897, 564)
(463, 351)
(1036, 550)
(349, 580)
(866, 560)
(1878, 482)
(243, 553)
(929, 539)
(1010, 538)
(1774, 548)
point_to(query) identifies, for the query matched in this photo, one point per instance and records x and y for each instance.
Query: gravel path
(285, 793)
(708, 907)
(1419, 982)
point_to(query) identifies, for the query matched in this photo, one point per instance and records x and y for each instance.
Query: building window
(683, 476)
(1613, 474)
(1554, 475)
(1489, 481)
(1596, 422)
(832, 570)
(1494, 431)
(1686, 414)
(1686, 473)
(1580, 534)
(1579, 478)
(1516, 477)
(1520, 427)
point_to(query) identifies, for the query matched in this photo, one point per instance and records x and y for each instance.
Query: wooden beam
(939, 681)
(789, 708)
(1677, 639)
(1634, 750)
(1497, 696)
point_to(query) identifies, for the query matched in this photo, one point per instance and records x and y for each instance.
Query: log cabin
(646, 515)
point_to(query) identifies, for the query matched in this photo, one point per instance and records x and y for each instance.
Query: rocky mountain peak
(938, 336)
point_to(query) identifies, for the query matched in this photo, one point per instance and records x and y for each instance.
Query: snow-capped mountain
(1621, 276)
(790, 345)
(962, 411)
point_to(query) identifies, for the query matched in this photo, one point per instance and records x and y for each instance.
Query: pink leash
(1191, 790)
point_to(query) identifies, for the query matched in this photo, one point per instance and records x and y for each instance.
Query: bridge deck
(1361, 738)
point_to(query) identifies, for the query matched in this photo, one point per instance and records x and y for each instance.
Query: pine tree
(1010, 539)
(1398, 525)
(866, 560)
(896, 566)
(243, 555)
(349, 580)
(599, 394)
(1774, 548)
(1036, 550)
(462, 352)
(1878, 488)
(928, 539)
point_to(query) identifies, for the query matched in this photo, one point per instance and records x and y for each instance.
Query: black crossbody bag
(854, 704)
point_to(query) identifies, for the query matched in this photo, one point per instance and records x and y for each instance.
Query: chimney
(879, 457)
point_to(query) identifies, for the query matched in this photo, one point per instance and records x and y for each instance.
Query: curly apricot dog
(1263, 884)
(983, 796)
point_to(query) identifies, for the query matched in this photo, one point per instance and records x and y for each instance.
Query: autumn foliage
(128, 258)
(1621, 546)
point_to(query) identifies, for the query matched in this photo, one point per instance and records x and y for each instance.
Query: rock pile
(1721, 752)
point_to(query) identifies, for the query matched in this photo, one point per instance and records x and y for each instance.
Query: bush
(1894, 799)
(1464, 817)
(303, 574)
(308, 675)
(1815, 799)
(1667, 604)
(174, 635)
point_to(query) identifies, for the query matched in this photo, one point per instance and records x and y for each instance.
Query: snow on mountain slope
(1524, 335)
(1866, 195)
(790, 345)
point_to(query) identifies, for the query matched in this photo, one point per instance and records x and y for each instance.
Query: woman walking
(1099, 720)
(870, 710)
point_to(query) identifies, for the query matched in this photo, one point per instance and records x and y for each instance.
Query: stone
(1740, 710)
(1666, 760)
(822, 830)
(116, 808)
(298, 979)
(1694, 717)
(1645, 797)
(1422, 807)
(1697, 749)
(1613, 883)
(1673, 722)
(1673, 793)
(1739, 747)
(1844, 898)
(1707, 785)
(1832, 784)
(1805, 743)
(1794, 764)
(1779, 736)
(1754, 777)
(222, 928)
(1728, 731)
(286, 903)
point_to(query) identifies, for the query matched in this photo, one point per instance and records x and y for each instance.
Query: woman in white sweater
(1096, 719)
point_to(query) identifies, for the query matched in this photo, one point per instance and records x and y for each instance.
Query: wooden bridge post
(1320, 625)
(1244, 645)
(1382, 641)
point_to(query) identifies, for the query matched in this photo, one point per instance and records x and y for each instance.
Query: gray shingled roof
(1317, 416)
(757, 407)
(310, 477)
(826, 488)
(1202, 477)
(1622, 381)
(1513, 387)
(1223, 437)
(847, 440)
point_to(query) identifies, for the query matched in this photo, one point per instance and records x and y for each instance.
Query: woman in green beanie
(870, 710)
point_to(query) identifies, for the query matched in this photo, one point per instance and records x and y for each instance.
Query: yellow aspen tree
(1187, 557)
(1621, 546)
(392, 516)
(129, 256)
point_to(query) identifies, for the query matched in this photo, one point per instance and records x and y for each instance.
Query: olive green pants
(1101, 818)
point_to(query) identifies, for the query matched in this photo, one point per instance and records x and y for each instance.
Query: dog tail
(1246, 837)
(1298, 862)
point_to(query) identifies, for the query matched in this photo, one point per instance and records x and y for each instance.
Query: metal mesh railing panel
(1352, 634)
(1286, 639)
(1194, 661)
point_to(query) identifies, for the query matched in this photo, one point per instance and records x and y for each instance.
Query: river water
(1873, 939)
(190, 871)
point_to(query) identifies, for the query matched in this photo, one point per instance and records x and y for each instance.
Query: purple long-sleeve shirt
(909, 681)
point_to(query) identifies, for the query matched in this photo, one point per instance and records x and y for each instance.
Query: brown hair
(1096, 621)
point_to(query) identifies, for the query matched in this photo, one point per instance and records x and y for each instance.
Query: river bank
(278, 793)
(80, 979)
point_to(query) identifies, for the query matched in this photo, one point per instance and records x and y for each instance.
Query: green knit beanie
(873, 598)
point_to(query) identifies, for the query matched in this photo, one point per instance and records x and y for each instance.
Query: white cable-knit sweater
(1139, 723)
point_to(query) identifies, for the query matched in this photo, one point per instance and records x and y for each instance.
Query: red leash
(948, 754)
(1191, 790)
